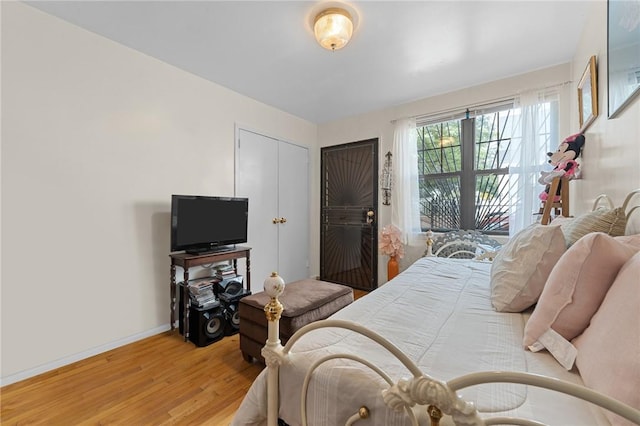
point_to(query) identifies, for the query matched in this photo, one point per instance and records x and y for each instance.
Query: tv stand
(189, 260)
(210, 250)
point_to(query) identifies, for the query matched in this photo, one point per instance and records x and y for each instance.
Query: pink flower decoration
(389, 242)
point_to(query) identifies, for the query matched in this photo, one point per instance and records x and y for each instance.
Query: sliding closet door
(349, 200)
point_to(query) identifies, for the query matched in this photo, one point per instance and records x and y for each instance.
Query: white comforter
(439, 313)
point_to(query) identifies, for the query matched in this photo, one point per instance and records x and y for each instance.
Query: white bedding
(439, 313)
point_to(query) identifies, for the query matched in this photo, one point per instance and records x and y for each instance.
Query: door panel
(257, 179)
(293, 206)
(274, 175)
(349, 230)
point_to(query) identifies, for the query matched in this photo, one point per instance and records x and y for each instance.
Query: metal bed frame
(435, 396)
(422, 392)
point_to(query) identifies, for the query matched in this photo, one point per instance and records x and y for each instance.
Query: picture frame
(588, 95)
(623, 54)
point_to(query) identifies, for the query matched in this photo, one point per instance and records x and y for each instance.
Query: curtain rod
(483, 104)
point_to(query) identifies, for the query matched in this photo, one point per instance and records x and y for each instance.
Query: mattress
(438, 312)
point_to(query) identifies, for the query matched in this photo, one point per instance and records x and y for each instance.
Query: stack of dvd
(225, 271)
(201, 293)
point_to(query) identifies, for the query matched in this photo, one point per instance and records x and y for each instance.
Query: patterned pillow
(611, 222)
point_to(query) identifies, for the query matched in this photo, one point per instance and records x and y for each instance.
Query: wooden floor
(160, 380)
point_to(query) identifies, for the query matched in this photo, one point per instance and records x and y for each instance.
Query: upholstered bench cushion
(304, 302)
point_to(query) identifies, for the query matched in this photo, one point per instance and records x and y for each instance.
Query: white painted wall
(95, 139)
(378, 124)
(611, 155)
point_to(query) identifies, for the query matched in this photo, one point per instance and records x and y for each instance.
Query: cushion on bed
(561, 220)
(577, 285)
(630, 240)
(609, 349)
(609, 221)
(521, 267)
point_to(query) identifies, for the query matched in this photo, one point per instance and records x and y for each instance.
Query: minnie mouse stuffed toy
(564, 164)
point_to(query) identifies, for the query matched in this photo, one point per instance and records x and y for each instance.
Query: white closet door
(293, 205)
(257, 179)
(274, 175)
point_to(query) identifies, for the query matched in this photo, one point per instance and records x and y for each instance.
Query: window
(463, 167)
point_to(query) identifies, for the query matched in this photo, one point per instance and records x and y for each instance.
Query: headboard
(462, 244)
(631, 207)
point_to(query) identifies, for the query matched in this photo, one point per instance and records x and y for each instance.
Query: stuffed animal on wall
(564, 164)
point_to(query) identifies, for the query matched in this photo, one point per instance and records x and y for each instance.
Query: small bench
(304, 301)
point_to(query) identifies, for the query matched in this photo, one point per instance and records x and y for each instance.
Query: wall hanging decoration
(623, 53)
(588, 95)
(386, 180)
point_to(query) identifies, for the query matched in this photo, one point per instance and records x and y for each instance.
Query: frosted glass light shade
(333, 28)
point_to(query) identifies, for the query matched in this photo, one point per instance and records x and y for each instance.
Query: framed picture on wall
(623, 53)
(588, 95)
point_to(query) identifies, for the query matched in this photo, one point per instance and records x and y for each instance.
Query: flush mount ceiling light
(333, 28)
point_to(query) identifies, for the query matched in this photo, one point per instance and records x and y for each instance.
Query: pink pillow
(609, 349)
(578, 283)
(631, 240)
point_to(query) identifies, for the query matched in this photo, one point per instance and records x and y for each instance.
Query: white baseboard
(26, 374)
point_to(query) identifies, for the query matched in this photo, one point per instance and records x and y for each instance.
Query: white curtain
(531, 141)
(405, 201)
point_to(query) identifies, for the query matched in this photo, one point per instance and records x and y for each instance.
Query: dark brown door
(349, 225)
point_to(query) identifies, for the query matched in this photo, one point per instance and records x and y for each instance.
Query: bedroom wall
(95, 139)
(378, 124)
(96, 136)
(611, 154)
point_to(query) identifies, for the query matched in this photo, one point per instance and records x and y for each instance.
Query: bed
(430, 346)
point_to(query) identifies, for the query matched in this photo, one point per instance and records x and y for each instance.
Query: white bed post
(272, 352)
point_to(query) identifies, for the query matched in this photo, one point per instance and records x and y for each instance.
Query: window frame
(468, 174)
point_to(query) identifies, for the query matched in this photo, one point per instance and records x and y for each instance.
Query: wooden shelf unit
(187, 261)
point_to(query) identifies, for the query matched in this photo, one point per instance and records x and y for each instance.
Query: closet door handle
(275, 220)
(283, 220)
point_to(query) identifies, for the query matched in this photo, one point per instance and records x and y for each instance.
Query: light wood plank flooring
(157, 381)
(160, 380)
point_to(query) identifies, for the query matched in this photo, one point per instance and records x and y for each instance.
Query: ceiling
(400, 51)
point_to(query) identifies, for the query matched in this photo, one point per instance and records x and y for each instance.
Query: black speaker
(206, 325)
(233, 285)
(229, 302)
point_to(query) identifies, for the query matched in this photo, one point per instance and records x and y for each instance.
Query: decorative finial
(363, 412)
(274, 285)
(429, 243)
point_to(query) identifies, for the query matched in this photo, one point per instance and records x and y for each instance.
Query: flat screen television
(202, 224)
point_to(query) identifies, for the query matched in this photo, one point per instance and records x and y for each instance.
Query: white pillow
(522, 266)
